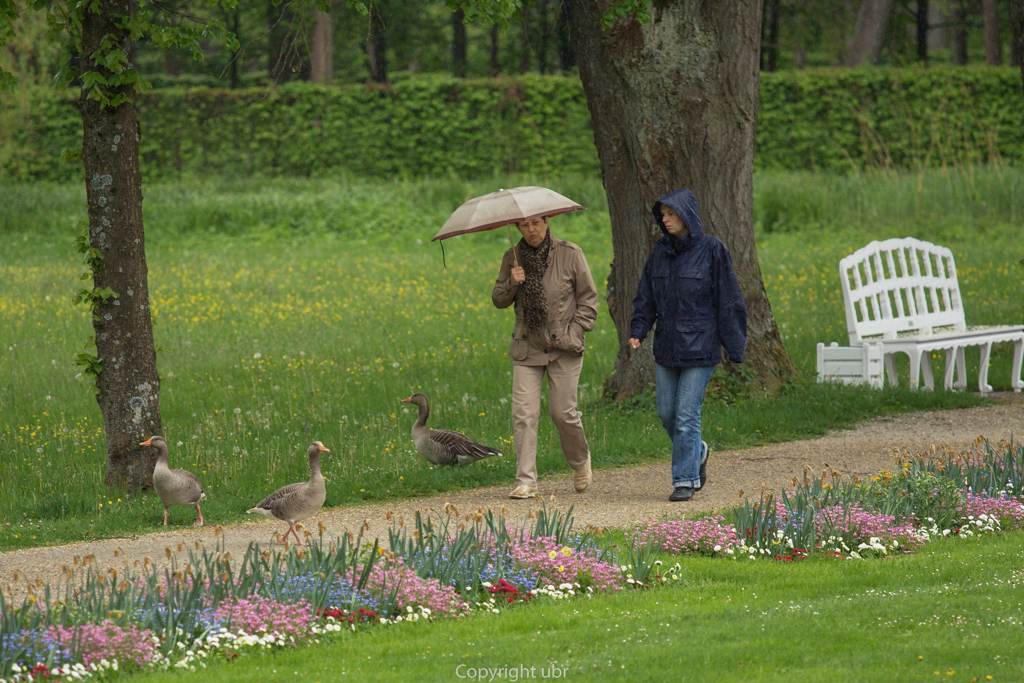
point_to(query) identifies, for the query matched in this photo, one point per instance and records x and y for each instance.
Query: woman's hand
(634, 343)
(518, 275)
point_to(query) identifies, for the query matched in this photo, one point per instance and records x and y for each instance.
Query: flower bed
(216, 608)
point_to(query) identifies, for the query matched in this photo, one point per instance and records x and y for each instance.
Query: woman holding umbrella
(690, 290)
(555, 299)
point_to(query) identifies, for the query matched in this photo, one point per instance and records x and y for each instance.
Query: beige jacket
(572, 304)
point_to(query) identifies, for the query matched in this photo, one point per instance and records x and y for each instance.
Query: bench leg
(890, 369)
(983, 385)
(926, 370)
(951, 357)
(955, 361)
(915, 369)
(1018, 357)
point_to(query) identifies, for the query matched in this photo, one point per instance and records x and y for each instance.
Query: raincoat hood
(685, 204)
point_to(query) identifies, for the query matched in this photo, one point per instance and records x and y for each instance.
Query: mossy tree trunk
(129, 387)
(673, 103)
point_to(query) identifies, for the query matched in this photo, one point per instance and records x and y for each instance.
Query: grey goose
(296, 502)
(174, 487)
(442, 446)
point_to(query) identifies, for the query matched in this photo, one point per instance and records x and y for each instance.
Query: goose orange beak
(324, 449)
(407, 400)
(147, 442)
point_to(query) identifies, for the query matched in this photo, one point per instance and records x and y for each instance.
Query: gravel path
(617, 497)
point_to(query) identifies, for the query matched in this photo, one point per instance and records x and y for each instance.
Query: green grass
(293, 310)
(952, 612)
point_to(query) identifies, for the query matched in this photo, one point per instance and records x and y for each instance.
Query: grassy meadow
(293, 310)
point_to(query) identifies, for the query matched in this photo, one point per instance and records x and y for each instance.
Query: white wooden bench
(851, 364)
(903, 294)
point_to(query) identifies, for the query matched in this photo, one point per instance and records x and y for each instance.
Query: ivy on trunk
(128, 383)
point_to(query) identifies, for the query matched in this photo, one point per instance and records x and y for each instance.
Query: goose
(175, 487)
(296, 502)
(442, 446)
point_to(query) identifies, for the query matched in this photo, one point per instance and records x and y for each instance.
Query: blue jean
(679, 394)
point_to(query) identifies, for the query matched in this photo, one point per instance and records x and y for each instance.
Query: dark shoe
(705, 452)
(681, 493)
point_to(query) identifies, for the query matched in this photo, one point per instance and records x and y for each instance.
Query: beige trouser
(563, 378)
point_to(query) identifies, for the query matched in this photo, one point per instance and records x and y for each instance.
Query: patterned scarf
(531, 292)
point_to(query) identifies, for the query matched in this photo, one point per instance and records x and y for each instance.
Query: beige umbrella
(505, 207)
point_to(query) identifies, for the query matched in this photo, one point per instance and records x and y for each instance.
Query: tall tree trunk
(566, 53)
(525, 41)
(1017, 24)
(993, 46)
(459, 43)
(321, 56)
(235, 55)
(377, 43)
(872, 23)
(770, 36)
(958, 18)
(542, 36)
(673, 104)
(495, 44)
(279, 55)
(922, 30)
(129, 387)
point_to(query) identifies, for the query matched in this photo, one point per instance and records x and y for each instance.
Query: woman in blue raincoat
(690, 295)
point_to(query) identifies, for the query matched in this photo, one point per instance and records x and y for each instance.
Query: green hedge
(913, 117)
(828, 119)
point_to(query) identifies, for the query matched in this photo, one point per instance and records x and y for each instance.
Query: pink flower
(106, 640)
(553, 565)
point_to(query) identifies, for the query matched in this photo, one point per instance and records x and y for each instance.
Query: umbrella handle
(515, 260)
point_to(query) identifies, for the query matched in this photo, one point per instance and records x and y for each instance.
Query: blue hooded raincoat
(690, 290)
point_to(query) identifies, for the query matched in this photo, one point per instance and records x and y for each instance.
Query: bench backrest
(900, 285)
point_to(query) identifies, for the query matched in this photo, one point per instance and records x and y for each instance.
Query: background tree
(321, 55)
(377, 42)
(97, 44)
(459, 43)
(993, 44)
(1017, 24)
(959, 19)
(922, 24)
(770, 35)
(872, 24)
(495, 49)
(673, 98)
(566, 52)
(284, 60)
